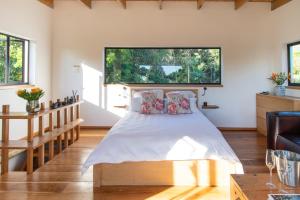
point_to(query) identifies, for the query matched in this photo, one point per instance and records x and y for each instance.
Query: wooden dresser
(268, 103)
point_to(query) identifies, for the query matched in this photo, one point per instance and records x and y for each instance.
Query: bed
(163, 149)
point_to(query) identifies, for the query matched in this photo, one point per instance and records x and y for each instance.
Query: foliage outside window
(162, 65)
(14, 58)
(294, 63)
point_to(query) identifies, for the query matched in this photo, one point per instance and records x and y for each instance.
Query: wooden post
(59, 138)
(41, 149)
(42, 106)
(72, 119)
(5, 138)
(29, 160)
(77, 117)
(66, 138)
(30, 129)
(30, 148)
(51, 142)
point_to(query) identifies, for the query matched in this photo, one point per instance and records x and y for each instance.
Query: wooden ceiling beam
(88, 3)
(239, 3)
(49, 3)
(123, 2)
(200, 3)
(160, 2)
(278, 3)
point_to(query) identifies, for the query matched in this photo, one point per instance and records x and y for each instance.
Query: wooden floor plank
(61, 178)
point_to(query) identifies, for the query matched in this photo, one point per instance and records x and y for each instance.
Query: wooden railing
(61, 134)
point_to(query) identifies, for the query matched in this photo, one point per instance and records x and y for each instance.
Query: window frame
(7, 63)
(219, 84)
(289, 61)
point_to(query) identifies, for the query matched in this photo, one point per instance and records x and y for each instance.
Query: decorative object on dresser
(253, 187)
(32, 96)
(53, 134)
(279, 79)
(270, 103)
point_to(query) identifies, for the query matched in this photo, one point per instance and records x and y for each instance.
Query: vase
(33, 106)
(279, 90)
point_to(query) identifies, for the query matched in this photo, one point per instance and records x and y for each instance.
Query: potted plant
(279, 79)
(32, 96)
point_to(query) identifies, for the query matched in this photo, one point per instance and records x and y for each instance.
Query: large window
(14, 58)
(294, 63)
(163, 65)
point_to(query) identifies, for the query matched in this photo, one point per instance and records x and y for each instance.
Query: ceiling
(274, 4)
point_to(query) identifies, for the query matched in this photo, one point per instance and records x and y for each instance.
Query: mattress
(137, 137)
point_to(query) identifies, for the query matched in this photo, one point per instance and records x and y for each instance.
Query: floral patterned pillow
(178, 104)
(151, 104)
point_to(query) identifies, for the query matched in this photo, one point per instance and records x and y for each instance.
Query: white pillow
(135, 104)
(159, 93)
(193, 105)
(186, 93)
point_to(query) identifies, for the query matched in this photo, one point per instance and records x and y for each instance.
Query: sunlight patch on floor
(193, 193)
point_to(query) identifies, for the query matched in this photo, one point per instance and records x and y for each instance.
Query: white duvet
(138, 137)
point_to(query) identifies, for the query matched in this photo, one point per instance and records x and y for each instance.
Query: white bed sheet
(138, 137)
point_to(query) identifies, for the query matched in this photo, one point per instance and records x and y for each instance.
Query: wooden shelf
(210, 107)
(40, 140)
(65, 132)
(25, 115)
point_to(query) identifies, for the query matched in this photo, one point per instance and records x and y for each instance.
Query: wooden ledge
(23, 86)
(293, 87)
(25, 115)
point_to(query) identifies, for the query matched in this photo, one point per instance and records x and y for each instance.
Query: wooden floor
(60, 179)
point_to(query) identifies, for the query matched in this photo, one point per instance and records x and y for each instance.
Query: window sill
(293, 87)
(8, 87)
(169, 85)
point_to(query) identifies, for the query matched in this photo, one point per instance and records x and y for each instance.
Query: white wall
(285, 23)
(32, 20)
(245, 35)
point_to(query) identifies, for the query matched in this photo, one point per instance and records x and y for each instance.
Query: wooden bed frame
(185, 173)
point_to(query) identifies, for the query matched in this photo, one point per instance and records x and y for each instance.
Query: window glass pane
(3, 49)
(163, 65)
(15, 60)
(295, 63)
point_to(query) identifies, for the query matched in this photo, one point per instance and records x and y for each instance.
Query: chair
(283, 131)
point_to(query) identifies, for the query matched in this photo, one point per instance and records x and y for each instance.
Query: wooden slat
(88, 3)
(239, 3)
(71, 119)
(66, 137)
(51, 142)
(49, 3)
(123, 2)
(200, 3)
(41, 149)
(278, 3)
(5, 139)
(29, 162)
(59, 138)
